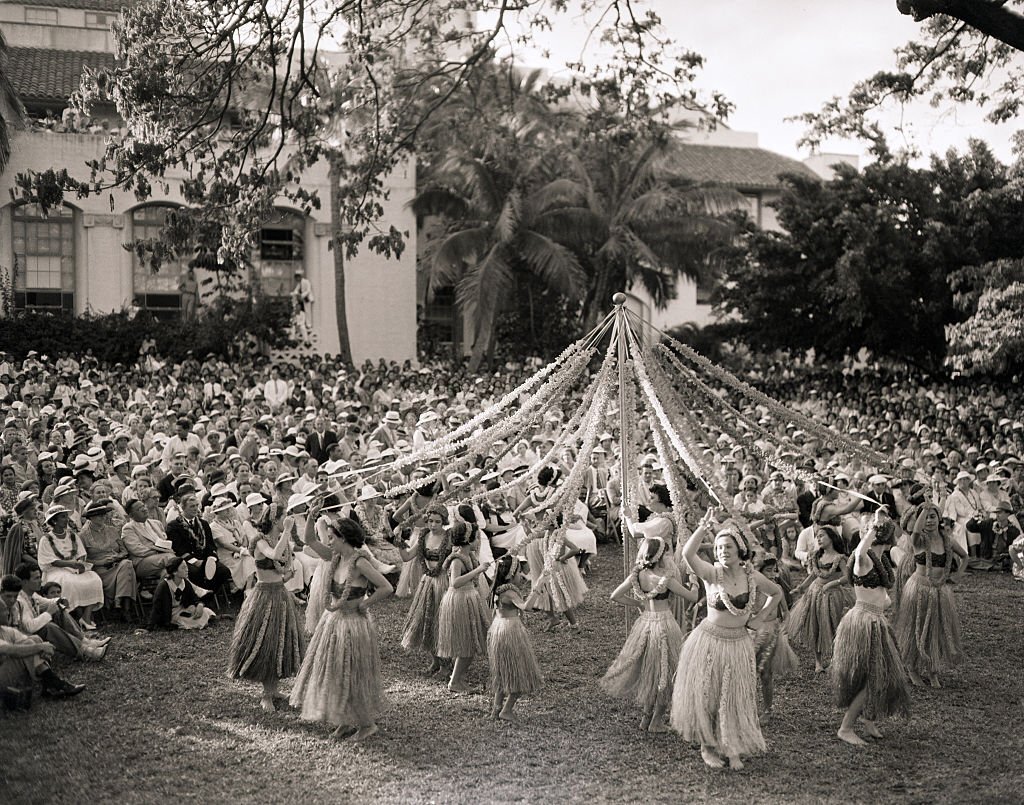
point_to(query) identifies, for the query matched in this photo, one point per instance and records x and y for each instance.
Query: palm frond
(556, 265)
(574, 226)
(440, 200)
(474, 179)
(480, 291)
(507, 225)
(557, 193)
(452, 256)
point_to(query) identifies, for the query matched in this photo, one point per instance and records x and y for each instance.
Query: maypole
(619, 332)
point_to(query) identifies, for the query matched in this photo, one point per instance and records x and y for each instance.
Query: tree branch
(990, 17)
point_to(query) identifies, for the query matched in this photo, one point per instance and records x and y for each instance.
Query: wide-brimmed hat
(254, 499)
(55, 510)
(427, 417)
(296, 500)
(25, 501)
(284, 478)
(878, 479)
(95, 509)
(220, 505)
(962, 475)
(393, 416)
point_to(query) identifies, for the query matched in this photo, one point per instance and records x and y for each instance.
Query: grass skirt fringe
(904, 571)
(462, 623)
(772, 651)
(814, 619)
(409, 579)
(866, 656)
(339, 681)
(268, 642)
(646, 666)
(420, 630)
(513, 664)
(714, 701)
(927, 627)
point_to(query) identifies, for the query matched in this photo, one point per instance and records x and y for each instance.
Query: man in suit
(319, 442)
(192, 540)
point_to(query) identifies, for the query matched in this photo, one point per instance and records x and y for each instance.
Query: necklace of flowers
(639, 592)
(726, 599)
(51, 537)
(445, 549)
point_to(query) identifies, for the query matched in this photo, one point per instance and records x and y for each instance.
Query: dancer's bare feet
(915, 678)
(267, 703)
(363, 733)
(819, 668)
(658, 727)
(343, 731)
(459, 687)
(712, 758)
(509, 716)
(735, 762)
(433, 668)
(645, 721)
(872, 729)
(851, 737)
(935, 682)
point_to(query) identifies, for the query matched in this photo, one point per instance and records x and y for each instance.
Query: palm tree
(496, 236)
(636, 222)
(12, 113)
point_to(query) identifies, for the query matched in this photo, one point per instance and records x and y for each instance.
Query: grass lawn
(160, 721)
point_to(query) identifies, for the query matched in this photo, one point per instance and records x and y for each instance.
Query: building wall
(69, 33)
(381, 292)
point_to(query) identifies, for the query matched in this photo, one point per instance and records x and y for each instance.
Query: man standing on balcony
(189, 288)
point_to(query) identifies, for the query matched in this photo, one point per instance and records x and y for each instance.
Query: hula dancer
(339, 681)
(867, 671)
(714, 702)
(816, 615)
(775, 657)
(645, 668)
(268, 641)
(462, 616)
(927, 625)
(514, 669)
(431, 552)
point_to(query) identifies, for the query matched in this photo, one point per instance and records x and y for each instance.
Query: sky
(778, 58)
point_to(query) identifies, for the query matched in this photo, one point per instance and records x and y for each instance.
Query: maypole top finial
(619, 299)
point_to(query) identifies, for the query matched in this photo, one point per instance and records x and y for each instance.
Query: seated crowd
(124, 487)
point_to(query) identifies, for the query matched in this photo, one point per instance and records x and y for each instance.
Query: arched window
(159, 292)
(44, 256)
(279, 253)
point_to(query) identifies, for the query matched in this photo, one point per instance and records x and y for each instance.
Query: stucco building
(74, 259)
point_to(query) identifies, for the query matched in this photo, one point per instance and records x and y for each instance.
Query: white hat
(368, 493)
(220, 505)
(296, 500)
(393, 416)
(254, 499)
(878, 479)
(427, 416)
(961, 475)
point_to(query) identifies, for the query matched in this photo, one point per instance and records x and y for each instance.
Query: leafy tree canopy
(872, 258)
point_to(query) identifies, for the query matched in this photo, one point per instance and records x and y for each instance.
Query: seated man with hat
(144, 539)
(108, 554)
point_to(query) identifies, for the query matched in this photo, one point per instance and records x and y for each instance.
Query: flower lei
(726, 599)
(50, 537)
(445, 549)
(639, 592)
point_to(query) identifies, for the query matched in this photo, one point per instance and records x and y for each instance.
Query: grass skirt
(268, 642)
(773, 652)
(714, 701)
(815, 618)
(561, 589)
(904, 571)
(315, 599)
(927, 627)
(866, 656)
(409, 579)
(339, 681)
(420, 631)
(462, 623)
(646, 666)
(514, 667)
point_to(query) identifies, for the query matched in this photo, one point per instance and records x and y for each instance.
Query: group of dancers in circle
(876, 620)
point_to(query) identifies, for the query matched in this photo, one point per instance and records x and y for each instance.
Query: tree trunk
(340, 309)
(601, 302)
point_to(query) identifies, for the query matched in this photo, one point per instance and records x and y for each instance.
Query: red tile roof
(88, 5)
(40, 74)
(742, 168)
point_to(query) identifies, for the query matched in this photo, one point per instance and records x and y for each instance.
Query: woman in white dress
(62, 558)
(232, 547)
